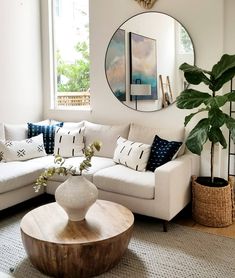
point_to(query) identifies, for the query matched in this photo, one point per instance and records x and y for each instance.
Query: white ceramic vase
(75, 196)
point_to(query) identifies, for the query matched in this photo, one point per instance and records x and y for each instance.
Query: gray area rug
(181, 252)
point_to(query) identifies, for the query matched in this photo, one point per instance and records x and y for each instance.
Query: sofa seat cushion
(126, 181)
(97, 163)
(17, 174)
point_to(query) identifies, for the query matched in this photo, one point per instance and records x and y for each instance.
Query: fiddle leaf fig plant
(63, 170)
(211, 103)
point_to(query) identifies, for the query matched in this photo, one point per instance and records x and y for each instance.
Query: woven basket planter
(212, 206)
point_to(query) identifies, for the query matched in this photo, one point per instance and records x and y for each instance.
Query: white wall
(20, 60)
(102, 26)
(210, 24)
(204, 20)
(187, 12)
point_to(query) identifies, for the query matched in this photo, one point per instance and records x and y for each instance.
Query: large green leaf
(218, 83)
(195, 75)
(217, 101)
(198, 136)
(190, 98)
(216, 117)
(230, 123)
(216, 136)
(227, 62)
(185, 67)
(189, 117)
(231, 96)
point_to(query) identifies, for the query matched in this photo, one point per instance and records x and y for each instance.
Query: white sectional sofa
(161, 194)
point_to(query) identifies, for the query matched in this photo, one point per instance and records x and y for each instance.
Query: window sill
(72, 108)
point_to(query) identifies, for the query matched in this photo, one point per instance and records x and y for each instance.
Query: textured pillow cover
(69, 142)
(162, 151)
(22, 150)
(48, 132)
(131, 154)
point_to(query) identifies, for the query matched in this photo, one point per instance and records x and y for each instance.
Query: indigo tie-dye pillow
(48, 132)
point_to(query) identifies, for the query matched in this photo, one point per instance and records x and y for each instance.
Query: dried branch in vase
(147, 4)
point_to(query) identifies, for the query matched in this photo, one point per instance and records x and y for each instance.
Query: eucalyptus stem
(62, 170)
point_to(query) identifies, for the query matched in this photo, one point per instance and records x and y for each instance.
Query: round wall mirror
(143, 58)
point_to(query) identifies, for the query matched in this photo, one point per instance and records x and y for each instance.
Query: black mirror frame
(193, 46)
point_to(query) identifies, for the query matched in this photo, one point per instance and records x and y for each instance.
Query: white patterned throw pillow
(22, 150)
(69, 142)
(132, 154)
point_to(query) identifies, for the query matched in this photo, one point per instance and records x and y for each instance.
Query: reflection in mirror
(143, 58)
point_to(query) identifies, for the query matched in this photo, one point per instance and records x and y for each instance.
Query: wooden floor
(185, 219)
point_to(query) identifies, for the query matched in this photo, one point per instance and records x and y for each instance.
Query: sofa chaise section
(17, 179)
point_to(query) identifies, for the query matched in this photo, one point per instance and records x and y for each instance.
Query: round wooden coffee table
(62, 248)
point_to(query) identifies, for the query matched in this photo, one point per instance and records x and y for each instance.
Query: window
(71, 53)
(57, 7)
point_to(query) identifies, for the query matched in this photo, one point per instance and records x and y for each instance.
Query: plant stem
(212, 161)
(212, 154)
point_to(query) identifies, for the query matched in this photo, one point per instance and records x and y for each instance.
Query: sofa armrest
(173, 183)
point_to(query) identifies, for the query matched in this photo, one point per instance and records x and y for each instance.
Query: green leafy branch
(63, 170)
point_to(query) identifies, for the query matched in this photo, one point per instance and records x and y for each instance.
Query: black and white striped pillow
(69, 142)
(132, 154)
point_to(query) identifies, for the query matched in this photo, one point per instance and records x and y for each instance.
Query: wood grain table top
(103, 221)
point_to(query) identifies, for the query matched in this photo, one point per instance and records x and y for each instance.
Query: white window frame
(49, 60)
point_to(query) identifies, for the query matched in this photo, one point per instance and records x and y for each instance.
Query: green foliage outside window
(77, 75)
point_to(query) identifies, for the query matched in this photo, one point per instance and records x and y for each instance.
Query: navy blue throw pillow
(161, 152)
(48, 132)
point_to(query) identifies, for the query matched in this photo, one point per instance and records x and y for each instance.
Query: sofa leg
(165, 226)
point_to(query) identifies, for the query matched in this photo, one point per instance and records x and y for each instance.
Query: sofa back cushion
(146, 134)
(19, 131)
(106, 134)
(15, 132)
(73, 125)
(2, 133)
